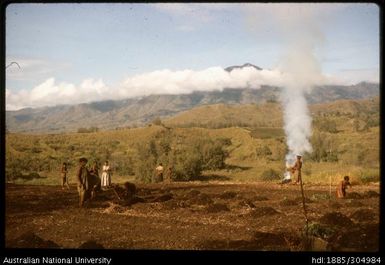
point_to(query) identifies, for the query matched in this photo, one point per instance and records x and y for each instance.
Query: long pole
(303, 202)
(304, 206)
(330, 187)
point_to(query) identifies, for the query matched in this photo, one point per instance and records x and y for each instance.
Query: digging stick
(304, 207)
(116, 194)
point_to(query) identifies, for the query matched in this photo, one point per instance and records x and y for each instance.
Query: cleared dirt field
(194, 216)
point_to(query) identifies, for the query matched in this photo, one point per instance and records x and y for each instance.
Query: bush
(322, 148)
(369, 178)
(327, 125)
(146, 161)
(263, 151)
(213, 155)
(270, 174)
(187, 157)
(34, 175)
(123, 165)
(188, 165)
(319, 230)
(13, 173)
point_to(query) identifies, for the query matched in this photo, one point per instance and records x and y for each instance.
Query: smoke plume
(296, 26)
(302, 37)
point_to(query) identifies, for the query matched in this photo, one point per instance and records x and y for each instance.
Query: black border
(130, 256)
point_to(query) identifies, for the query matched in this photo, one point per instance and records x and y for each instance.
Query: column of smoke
(301, 71)
(296, 25)
(298, 67)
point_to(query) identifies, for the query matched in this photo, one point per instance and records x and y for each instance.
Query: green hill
(344, 113)
(345, 141)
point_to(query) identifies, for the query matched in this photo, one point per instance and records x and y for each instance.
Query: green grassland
(345, 142)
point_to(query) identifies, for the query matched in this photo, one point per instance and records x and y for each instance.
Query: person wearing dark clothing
(82, 178)
(64, 172)
(95, 169)
(87, 183)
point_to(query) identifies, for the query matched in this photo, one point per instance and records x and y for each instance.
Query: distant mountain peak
(231, 68)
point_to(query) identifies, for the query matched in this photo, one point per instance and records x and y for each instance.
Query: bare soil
(193, 216)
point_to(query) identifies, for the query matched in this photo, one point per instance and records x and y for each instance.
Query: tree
(146, 161)
(187, 163)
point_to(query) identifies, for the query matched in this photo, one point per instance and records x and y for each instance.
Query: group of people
(341, 188)
(88, 180)
(94, 170)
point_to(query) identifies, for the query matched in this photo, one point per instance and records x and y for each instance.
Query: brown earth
(192, 215)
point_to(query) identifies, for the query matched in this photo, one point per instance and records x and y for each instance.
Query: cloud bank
(50, 92)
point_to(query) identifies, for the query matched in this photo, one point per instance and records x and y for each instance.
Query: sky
(75, 53)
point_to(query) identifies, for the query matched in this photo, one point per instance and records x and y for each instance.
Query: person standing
(94, 172)
(83, 182)
(64, 172)
(297, 167)
(159, 173)
(106, 175)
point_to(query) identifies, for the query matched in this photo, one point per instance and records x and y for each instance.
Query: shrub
(263, 151)
(34, 175)
(188, 157)
(327, 125)
(188, 165)
(213, 155)
(270, 174)
(319, 230)
(13, 173)
(146, 161)
(123, 165)
(366, 178)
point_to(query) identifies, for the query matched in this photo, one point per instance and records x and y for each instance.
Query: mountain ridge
(110, 114)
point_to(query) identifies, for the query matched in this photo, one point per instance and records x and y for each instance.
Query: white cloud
(186, 81)
(50, 92)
